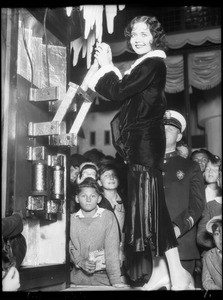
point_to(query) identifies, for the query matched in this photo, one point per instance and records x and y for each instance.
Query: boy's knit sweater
(90, 234)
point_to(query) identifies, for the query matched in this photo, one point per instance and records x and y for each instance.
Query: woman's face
(141, 38)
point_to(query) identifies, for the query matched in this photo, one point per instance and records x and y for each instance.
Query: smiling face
(141, 38)
(211, 173)
(109, 180)
(88, 198)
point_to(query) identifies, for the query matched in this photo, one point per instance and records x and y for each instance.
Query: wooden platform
(88, 288)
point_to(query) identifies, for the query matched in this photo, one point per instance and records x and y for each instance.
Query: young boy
(94, 240)
(108, 179)
(212, 261)
(86, 169)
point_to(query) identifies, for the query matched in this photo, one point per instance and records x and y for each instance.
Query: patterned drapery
(175, 74)
(204, 70)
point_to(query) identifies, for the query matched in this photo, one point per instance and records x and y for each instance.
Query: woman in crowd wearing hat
(212, 261)
(139, 137)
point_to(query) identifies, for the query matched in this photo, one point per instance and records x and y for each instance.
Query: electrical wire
(27, 51)
(46, 41)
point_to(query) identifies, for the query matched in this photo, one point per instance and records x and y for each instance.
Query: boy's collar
(79, 213)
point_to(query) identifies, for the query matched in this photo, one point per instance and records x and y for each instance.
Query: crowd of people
(192, 186)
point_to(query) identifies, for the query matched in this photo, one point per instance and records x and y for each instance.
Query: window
(92, 138)
(107, 137)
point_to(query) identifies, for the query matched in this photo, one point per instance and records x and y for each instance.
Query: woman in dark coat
(139, 137)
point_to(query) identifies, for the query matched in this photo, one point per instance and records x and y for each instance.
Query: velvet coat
(138, 135)
(137, 129)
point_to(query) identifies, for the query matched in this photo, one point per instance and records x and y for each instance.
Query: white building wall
(98, 122)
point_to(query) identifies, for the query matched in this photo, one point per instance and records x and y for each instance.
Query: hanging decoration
(93, 29)
(176, 41)
(204, 70)
(175, 74)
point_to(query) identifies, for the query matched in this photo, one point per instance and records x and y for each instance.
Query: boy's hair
(88, 165)
(215, 160)
(89, 182)
(76, 160)
(107, 167)
(94, 155)
(201, 151)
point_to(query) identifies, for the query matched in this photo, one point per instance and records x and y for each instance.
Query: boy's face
(202, 159)
(217, 236)
(109, 180)
(88, 199)
(88, 173)
(211, 173)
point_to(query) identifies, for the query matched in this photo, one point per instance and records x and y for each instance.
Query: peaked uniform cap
(174, 118)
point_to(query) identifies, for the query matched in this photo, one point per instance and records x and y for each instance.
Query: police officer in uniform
(184, 191)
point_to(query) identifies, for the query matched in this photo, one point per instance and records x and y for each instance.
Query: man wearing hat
(184, 191)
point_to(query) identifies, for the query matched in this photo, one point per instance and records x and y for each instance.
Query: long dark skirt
(148, 227)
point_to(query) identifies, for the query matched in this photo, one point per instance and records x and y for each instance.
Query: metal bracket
(46, 128)
(36, 153)
(35, 203)
(44, 94)
(66, 139)
(54, 160)
(54, 206)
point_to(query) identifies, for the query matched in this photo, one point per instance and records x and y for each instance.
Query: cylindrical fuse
(57, 188)
(39, 178)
